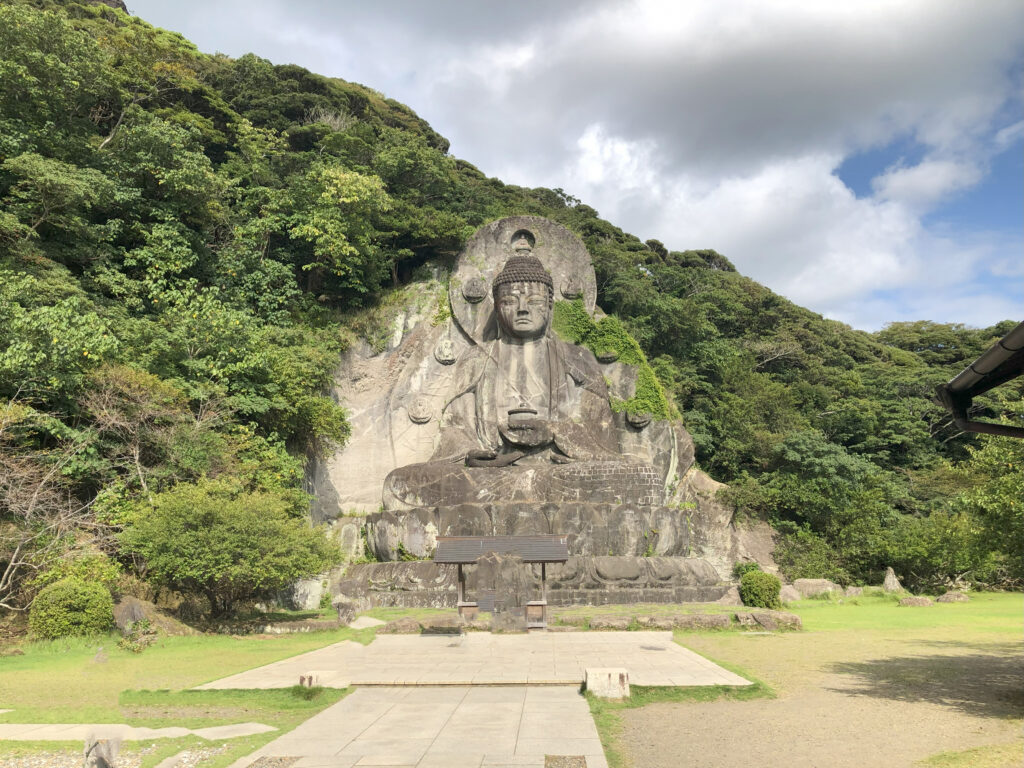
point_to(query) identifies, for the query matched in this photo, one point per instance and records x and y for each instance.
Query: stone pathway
(480, 658)
(364, 622)
(443, 727)
(78, 732)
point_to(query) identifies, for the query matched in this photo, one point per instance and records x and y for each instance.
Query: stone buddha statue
(528, 417)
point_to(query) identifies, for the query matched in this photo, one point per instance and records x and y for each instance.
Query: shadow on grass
(987, 680)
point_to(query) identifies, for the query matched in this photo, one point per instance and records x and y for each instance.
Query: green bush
(71, 607)
(744, 567)
(760, 590)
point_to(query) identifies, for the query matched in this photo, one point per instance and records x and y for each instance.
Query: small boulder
(915, 602)
(443, 625)
(787, 620)
(131, 610)
(403, 626)
(745, 619)
(345, 607)
(789, 594)
(609, 622)
(766, 620)
(952, 597)
(891, 583)
(815, 587)
(853, 592)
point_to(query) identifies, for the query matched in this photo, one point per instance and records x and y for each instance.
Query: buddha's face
(524, 309)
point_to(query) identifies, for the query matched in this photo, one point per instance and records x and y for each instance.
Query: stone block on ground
(365, 622)
(815, 587)
(130, 610)
(610, 622)
(788, 620)
(891, 583)
(952, 597)
(745, 619)
(656, 622)
(346, 609)
(915, 602)
(789, 594)
(702, 621)
(608, 682)
(853, 592)
(443, 625)
(403, 626)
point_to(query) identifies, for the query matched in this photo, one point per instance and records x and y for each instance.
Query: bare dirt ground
(859, 698)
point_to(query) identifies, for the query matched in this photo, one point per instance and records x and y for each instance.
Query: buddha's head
(523, 293)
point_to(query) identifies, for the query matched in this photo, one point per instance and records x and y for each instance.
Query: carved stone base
(593, 529)
(583, 580)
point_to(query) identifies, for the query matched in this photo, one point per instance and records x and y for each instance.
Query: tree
(228, 546)
(39, 514)
(52, 192)
(997, 501)
(334, 212)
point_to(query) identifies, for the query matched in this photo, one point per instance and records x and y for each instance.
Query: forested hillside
(187, 243)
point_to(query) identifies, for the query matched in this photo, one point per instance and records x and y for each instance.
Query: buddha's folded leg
(443, 484)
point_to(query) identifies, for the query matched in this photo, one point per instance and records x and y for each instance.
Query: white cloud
(714, 123)
(927, 182)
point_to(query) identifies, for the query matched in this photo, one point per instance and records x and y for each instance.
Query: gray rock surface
(305, 594)
(891, 583)
(953, 597)
(915, 602)
(815, 587)
(853, 592)
(581, 580)
(789, 594)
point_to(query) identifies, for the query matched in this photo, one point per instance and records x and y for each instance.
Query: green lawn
(94, 681)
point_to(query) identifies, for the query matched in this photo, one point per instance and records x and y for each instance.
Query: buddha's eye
(537, 301)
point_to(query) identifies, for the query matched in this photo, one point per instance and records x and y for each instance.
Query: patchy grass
(83, 680)
(996, 756)
(390, 614)
(284, 709)
(609, 723)
(855, 654)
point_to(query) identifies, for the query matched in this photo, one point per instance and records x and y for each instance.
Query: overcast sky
(863, 158)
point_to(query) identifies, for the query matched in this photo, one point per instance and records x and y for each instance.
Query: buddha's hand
(530, 433)
(483, 458)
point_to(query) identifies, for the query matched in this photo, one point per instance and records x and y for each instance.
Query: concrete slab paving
(453, 727)
(480, 658)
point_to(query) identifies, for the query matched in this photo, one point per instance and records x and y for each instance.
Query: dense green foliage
(760, 590)
(187, 242)
(71, 607)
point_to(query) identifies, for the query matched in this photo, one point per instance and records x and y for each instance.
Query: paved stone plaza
(443, 727)
(550, 658)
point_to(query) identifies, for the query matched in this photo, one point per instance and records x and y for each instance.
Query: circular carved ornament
(474, 290)
(444, 352)
(572, 288)
(638, 420)
(420, 410)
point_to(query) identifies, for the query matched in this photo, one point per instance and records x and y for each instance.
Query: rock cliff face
(622, 486)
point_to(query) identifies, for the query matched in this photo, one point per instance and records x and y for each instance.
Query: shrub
(760, 590)
(231, 547)
(744, 567)
(71, 607)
